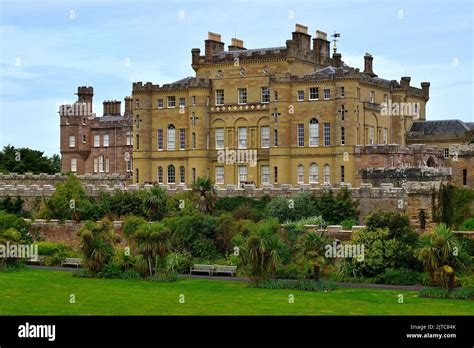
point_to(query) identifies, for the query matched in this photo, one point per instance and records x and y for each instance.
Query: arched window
(160, 175)
(275, 137)
(327, 174)
(300, 174)
(171, 174)
(182, 176)
(313, 173)
(313, 132)
(171, 137)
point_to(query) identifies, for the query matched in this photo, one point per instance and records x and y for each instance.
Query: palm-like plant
(97, 244)
(206, 194)
(312, 249)
(439, 253)
(153, 243)
(154, 202)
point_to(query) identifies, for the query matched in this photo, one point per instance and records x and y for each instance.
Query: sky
(49, 48)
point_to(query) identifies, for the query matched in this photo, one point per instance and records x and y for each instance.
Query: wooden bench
(226, 270)
(36, 260)
(71, 261)
(209, 269)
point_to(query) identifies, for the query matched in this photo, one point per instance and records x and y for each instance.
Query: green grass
(46, 292)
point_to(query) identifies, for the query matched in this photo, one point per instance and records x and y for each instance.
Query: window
(101, 164)
(300, 174)
(265, 95)
(275, 137)
(275, 174)
(137, 103)
(342, 174)
(372, 96)
(193, 139)
(171, 101)
(160, 103)
(171, 174)
(219, 138)
(371, 135)
(128, 164)
(160, 175)
(314, 93)
(182, 175)
(96, 140)
(160, 139)
(84, 139)
(242, 174)
(313, 132)
(129, 138)
(313, 173)
(342, 111)
(327, 94)
(358, 92)
(327, 134)
(385, 135)
(265, 137)
(193, 173)
(105, 140)
(343, 136)
(464, 176)
(137, 121)
(242, 96)
(182, 102)
(385, 99)
(446, 153)
(137, 141)
(300, 95)
(242, 137)
(219, 175)
(83, 121)
(96, 164)
(171, 137)
(300, 135)
(275, 95)
(193, 100)
(107, 164)
(72, 141)
(342, 92)
(219, 97)
(275, 115)
(193, 119)
(73, 165)
(327, 174)
(182, 138)
(265, 175)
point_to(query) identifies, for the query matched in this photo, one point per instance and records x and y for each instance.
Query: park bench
(209, 269)
(36, 260)
(225, 270)
(71, 261)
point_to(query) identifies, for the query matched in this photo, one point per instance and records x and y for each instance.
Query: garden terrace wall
(43, 179)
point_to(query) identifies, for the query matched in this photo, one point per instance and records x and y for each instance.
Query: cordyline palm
(153, 201)
(97, 244)
(438, 253)
(206, 192)
(153, 244)
(312, 249)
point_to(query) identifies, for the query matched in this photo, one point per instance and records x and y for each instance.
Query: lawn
(46, 292)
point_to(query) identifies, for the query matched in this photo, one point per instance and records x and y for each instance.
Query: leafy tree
(155, 203)
(206, 194)
(11, 221)
(12, 207)
(22, 160)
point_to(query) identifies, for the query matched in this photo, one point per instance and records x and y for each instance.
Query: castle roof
(440, 127)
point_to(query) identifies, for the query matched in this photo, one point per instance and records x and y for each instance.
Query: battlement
(140, 87)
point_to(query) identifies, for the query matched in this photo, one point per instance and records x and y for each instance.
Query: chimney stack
(337, 60)
(236, 44)
(321, 44)
(213, 45)
(128, 106)
(368, 65)
(405, 82)
(425, 89)
(111, 107)
(301, 37)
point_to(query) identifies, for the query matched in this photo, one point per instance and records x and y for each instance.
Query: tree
(22, 160)
(155, 203)
(312, 250)
(204, 189)
(440, 253)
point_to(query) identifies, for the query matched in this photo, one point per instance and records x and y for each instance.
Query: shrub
(165, 277)
(131, 225)
(292, 271)
(179, 262)
(300, 206)
(455, 294)
(8, 221)
(348, 223)
(399, 276)
(467, 225)
(50, 248)
(302, 285)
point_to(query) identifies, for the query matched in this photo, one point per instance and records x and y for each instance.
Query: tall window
(327, 93)
(182, 102)
(265, 98)
(313, 132)
(275, 115)
(275, 95)
(275, 175)
(342, 92)
(371, 135)
(160, 139)
(160, 175)
(372, 96)
(313, 173)
(171, 101)
(84, 138)
(446, 153)
(242, 137)
(160, 103)
(300, 135)
(137, 175)
(300, 95)
(343, 112)
(96, 164)
(193, 140)
(193, 100)
(265, 137)
(314, 93)
(182, 175)
(101, 164)
(182, 138)
(96, 140)
(171, 174)
(128, 164)
(107, 164)
(193, 173)
(105, 140)
(171, 137)
(137, 141)
(327, 134)
(72, 141)
(265, 175)
(219, 97)
(327, 174)
(219, 138)
(385, 135)
(275, 137)
(242, 174)
(219, 175)
(343, 136)
(242, 96)
(73, 165)
(129, 138)
(193, 119)
(343, 174)
(300, 174)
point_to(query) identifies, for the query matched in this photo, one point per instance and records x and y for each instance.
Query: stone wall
(29, 179)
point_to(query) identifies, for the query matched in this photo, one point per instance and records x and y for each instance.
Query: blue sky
(48, 48)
